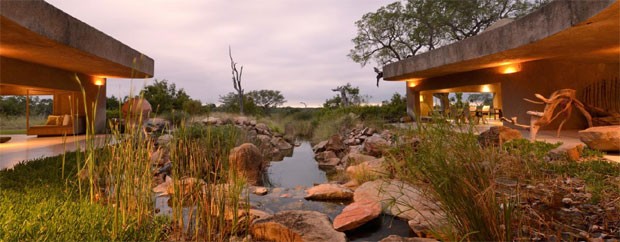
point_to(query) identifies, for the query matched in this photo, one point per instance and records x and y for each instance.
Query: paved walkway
(24, 148)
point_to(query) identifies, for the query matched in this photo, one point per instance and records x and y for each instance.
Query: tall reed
(460, 177)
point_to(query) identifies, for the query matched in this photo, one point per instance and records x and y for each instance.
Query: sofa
(58, 125)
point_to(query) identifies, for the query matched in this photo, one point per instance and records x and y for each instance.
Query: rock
(296, 225)
(356, 158)
(396, 238)
(164, 187)
(164, 140)
(241, 120)
(325, 155)
(329, 163)
(262, 128)
(280, 143)
(320, 147)
(603, 138)
(258, 214)
(572, 152)
(185, 186)
(408, 202)
(498, 135)
(375, 145)
(329, 192)
(369, 131)
(247, 161)
(252, 122)
(212, 121)
(260, 191)
(156, 125)
(372, 168)
(160, 156)
(567, 201)
(334, 143)
(356, 214)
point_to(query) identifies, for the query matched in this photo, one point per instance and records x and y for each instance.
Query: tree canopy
(267, 99)
(348, 96)
(403, 29)
(165, 97)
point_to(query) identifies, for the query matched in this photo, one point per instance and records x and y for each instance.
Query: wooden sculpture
(564, 99)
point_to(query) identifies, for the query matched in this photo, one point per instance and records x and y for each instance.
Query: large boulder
(401, 200)
(603, 138)
(498, 135)
(334, 143)
(356, 214)
(212, 121)
(329, 192)
(296, 225)
(241, 120)
(375, 145)
(246, 160)
(136, 111)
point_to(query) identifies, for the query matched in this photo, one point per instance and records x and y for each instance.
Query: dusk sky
(298, 47)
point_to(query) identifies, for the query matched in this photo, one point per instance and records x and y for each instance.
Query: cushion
(65, 120)
(52, 120)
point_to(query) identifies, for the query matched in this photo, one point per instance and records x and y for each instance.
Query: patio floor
(23, 148)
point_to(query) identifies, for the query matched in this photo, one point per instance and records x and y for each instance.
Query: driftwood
(564, 99)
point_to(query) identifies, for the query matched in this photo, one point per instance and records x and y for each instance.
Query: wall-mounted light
(486, 88)
(510, 68)
(99, 81)
(421, 98)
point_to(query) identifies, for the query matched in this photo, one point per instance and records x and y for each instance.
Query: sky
(298, 47)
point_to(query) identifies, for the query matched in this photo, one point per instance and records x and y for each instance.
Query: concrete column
(413, 103)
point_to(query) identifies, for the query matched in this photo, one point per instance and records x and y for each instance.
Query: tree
(230, 103)
(348, 96)
(236, 78)
(397, 31)
(192, 107)
(267, 99)
(165, 97)
(112, 103)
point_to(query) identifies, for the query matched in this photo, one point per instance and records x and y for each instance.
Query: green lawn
(12, 131)
(37, 203)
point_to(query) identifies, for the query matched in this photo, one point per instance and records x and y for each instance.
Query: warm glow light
(421, 98)
(510, 68)
(411, 84)
(99, 81)
(486, 88)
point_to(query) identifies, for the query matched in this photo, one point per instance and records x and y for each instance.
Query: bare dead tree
(236, 78)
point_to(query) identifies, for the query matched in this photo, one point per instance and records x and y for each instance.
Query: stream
(287, 181)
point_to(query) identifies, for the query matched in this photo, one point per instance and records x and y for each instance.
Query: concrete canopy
(578, 31)
(37, 32)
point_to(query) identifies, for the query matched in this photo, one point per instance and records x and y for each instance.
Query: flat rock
(320, 147)
(296, 225)
(375, 145)
(329, 192)
(603, 138)
(260, 191)
(334, 143)
(356, 214)
(401, 200)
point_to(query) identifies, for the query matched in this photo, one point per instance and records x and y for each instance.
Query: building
(564, 44)
(44, 51)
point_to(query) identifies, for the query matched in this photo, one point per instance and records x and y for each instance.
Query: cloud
(297, 47)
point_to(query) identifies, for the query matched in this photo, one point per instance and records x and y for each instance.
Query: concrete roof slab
(570, 30)
(35, 31)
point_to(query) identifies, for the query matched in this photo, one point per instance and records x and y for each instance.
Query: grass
(464, 179)
(19, 122)
(38, 203)
(12, 131)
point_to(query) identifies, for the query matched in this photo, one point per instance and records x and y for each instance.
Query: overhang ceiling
(576, 31)
(37, 32)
